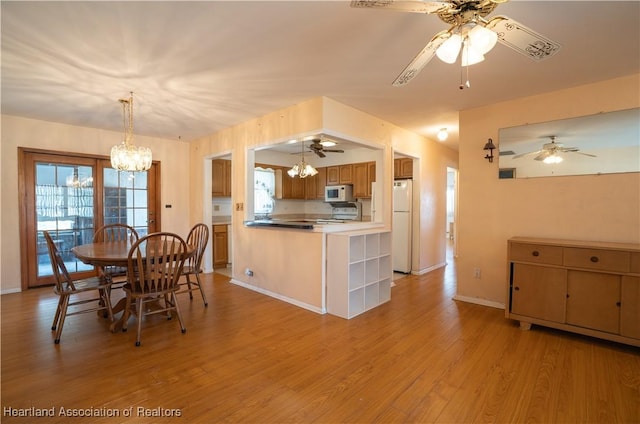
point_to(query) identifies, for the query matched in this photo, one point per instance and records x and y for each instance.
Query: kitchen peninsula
(345, 267)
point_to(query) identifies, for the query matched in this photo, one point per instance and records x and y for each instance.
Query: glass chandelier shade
(474, 43)
(302, 169)
(126, 156)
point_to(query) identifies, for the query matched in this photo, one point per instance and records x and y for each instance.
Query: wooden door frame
(25, 204)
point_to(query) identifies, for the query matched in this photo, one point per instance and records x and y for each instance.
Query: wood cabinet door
(371, 173)
(346, 174)
(593, 300)
(539, 292)
(333, 175)
(361, 180)
(321, 182)
(630, 307)
(218, 183)
(220, 246)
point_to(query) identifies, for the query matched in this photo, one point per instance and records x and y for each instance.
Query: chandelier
(126, 156)
(302, 169)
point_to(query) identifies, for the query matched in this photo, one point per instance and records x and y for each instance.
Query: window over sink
(264, 192)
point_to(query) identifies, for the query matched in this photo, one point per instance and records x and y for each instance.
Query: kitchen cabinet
(314, 186)
(591, 288)
(359, 271)
(221, 178)
(220, 246)
(364, 174)
(333, 175)
(403, 168)
(340, 174)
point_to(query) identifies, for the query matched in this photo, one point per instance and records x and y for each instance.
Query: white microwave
(338, 193)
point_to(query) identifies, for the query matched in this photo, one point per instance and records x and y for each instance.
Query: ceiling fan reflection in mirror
(470, 36)
(550, 152)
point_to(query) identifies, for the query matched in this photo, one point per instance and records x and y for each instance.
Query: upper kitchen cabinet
(403, 168)
(340, 174)
(314, 186)
(364, 174)
(221, 174)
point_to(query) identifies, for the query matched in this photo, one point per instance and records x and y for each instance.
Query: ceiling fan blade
(585, 154)
(414, 6)
(319, 153)
(333, 150)
(522, 39)
(421, 59)
(528, 153)
(543, 155)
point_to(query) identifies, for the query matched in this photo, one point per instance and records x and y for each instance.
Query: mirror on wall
(596, 144)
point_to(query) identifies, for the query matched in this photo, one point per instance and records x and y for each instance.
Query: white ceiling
(199, 67)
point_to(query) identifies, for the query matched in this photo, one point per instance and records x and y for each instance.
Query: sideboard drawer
(597, 259)
(536, 253)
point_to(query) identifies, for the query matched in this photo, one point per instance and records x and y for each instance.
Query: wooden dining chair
(72, 293)
(154, 265)
(198, 237)
(115, 232)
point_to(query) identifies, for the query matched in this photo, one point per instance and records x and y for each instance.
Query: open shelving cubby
(359, 271)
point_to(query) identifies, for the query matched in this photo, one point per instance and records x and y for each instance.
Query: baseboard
(9, 291)
(479, 301)
(280, 297)
(431, 268)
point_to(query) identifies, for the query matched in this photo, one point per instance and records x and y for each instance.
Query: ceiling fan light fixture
(328, 143)
(470, 54)
(449, 50)
(552, 159)
(483, 39)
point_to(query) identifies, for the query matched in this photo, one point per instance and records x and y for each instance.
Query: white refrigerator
(401, 230)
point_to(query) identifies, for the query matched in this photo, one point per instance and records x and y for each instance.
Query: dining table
(112, 253)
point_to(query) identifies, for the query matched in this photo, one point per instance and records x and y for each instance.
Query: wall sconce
(489, 146)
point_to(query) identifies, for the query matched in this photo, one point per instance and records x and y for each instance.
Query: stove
(343, 212)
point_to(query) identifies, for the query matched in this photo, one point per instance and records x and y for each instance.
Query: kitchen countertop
(311, 226)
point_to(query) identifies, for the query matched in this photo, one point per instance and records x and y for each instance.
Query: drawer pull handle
(535, 253)
(618, 304)
(594, 259)
(516, 288)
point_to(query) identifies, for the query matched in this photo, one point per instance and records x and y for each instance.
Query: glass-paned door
(126, 199)
(70, 196)
(64, 207)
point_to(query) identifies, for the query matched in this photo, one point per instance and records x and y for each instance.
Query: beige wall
(603, 208)
(22, 132)
(313, 116)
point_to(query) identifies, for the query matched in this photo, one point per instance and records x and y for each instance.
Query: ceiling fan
(550, 152)
(318, 146)
(469, 33)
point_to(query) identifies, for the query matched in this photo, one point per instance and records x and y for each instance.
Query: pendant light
(302, 169)
(126, 156)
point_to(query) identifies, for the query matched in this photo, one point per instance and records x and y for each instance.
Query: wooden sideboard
(591, 288)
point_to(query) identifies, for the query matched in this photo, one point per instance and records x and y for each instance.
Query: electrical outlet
(216, 208)
(248, 272)
(476, 273)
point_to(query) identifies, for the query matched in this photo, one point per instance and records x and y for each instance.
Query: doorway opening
(221, 215)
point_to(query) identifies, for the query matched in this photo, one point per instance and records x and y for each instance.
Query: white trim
(295, 302)
(9, 291)
(479, 301)
(431, 268)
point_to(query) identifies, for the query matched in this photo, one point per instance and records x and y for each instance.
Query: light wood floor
(249, 358)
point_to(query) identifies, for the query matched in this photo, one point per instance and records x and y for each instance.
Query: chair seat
(191, 270)
(87, 284)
